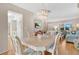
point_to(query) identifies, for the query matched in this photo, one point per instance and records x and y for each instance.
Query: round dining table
(39, 45)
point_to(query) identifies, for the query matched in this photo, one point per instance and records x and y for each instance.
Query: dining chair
(22, 50)
(17, 45)
(53, 47)
(76, 43)
(11, 50)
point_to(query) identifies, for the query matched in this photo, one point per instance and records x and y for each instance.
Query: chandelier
(43, 14)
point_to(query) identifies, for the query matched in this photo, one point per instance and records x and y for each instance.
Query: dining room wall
(73, 20)
(3, 30)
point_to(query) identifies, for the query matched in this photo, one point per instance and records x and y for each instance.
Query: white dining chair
(17, 46)
(53, 47)
(20, 50)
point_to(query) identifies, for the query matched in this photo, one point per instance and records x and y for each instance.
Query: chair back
(56, 44)
(17, 45)
(10, 45)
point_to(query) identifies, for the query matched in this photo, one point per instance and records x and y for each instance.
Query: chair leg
(56, 51)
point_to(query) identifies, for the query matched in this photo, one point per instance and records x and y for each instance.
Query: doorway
(15, 24)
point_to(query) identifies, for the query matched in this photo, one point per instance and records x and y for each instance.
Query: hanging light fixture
(43, 13)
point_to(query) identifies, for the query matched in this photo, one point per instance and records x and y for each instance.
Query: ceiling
(57, 10)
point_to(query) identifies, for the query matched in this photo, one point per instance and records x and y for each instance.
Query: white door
(15, 21)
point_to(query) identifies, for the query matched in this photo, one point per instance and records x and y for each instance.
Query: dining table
(39, 44)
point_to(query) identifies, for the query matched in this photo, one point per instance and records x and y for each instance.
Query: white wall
(74, 20)
(3, 29)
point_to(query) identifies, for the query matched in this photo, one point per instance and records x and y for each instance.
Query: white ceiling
(58, 10)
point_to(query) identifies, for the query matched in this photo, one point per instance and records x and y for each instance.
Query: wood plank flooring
(67, 49)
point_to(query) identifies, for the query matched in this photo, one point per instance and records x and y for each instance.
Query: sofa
(71, 37)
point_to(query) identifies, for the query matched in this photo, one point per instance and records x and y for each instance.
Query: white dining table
(38, 44)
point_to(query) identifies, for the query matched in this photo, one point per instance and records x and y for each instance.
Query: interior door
(15, 22)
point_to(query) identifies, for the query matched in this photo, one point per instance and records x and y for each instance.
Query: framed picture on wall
(67, 26)
(37, 23)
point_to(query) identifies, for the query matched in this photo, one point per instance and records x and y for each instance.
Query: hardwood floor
(67, 49)
(64, 49)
